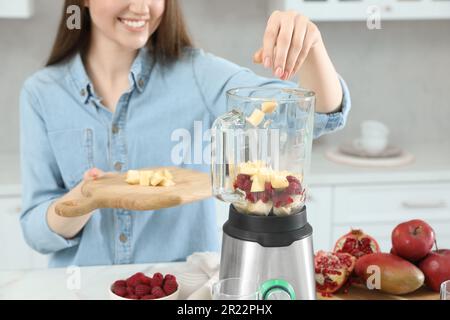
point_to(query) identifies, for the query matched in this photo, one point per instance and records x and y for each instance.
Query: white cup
(374, 137)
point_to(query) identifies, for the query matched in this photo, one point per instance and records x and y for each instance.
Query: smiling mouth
(133, 23)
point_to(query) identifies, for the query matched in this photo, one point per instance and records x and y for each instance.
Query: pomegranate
(357, 243)
(332, 271)
(396, 275)
(436, 267)
(413, 239)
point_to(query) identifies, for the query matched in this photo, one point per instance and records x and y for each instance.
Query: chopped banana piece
(248, 168)
(256, 117)
(268, 106)
(133, 177)
(156, 179)
(145, 177)
(150, 178)
(257, 183)
(167, 174)
(265, 174)
(279, 182)
(167, 183)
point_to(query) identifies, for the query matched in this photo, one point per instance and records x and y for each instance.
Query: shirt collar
(139, 74)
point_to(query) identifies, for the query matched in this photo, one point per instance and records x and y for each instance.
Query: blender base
(292, 260)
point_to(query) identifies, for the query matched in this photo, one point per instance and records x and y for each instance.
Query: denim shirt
(65, 130)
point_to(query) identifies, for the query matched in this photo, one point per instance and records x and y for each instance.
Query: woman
(110, 97)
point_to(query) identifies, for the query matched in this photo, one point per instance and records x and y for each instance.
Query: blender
(260, 159)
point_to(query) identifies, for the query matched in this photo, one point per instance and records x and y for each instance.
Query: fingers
(258, 56)
(93, 174)
(297, 44)
(308, 42)
(282, 47)
(270, 38)
(287, 42)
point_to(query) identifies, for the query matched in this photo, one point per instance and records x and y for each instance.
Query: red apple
(413, 239)
(436, 267)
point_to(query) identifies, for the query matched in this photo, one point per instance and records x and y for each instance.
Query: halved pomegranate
(332, 271)
(357, 243)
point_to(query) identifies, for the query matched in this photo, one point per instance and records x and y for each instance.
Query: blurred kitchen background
(399, 75)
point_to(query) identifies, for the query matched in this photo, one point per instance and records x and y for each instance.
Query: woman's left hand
(288, 39)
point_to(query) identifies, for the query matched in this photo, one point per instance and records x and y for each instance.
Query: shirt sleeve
(41, 181)
(215, 76)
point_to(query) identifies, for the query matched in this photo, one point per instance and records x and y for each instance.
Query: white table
(60, 283)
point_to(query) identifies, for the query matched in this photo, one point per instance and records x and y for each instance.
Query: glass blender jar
(261, 150)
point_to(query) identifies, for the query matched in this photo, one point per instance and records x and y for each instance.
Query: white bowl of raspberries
(141, 287)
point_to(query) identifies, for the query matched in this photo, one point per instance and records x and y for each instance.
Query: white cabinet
(14, 252)
(319, 213)
(361, 10)
(378, 209)
(16, 8)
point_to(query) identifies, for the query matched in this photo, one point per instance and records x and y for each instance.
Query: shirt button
(118, 166)
(115, 129)
(123, 238)
(141, 82)
(83, 92)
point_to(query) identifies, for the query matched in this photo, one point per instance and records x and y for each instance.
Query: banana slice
(144, 177)
(279, 181)
(157, 179)
(268, 106)
(167, 174)
(133, 177)
(258, 183)
(167, 183)
(256, 117)
(147, 178)
(249, 168)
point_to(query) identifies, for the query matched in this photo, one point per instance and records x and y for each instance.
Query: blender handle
(277, 289)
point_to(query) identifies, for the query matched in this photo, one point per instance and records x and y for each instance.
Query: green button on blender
(277, 289)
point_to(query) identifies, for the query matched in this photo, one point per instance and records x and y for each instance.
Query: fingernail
(279, 72)
(267, 62)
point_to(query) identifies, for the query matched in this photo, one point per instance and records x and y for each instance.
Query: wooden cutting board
(359, 292)
(111, 191)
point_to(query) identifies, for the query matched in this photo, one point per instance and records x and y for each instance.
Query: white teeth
(134, 23)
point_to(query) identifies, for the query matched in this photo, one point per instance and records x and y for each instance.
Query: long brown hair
(166, 43)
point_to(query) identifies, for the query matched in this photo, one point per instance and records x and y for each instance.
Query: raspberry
(158, 292)
(170, 277)
(135, 279)
(131, 296)
(147, 281)
(120, 291)
(130, 290)
(250, 197)
(243, 182)
(148, 297)
(142, 290)
(157, 280)
(119, 283)
(170, 286)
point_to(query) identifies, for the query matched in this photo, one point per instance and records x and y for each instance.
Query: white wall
(400, 74)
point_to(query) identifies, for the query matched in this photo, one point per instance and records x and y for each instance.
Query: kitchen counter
(94, 281)
(432, 164)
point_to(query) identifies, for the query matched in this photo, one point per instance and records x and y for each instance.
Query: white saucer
(389, 152)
